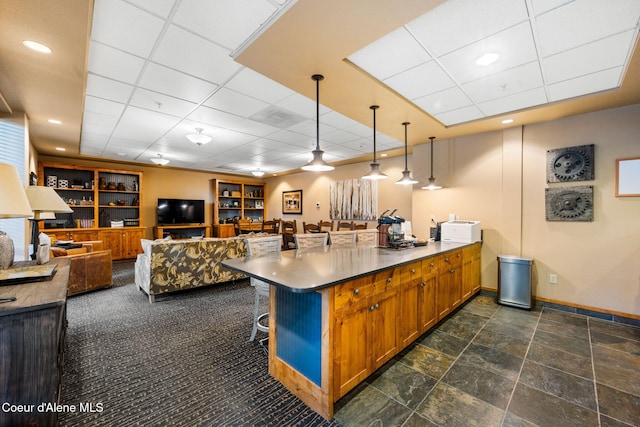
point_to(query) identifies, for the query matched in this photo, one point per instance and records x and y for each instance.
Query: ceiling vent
(278, 117)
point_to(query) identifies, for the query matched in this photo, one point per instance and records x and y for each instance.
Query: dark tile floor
(490, 365)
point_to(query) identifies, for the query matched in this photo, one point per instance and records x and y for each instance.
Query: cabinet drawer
(352, 292)
(386, 279)
(411, 272)
(451, 259)
(430, 266)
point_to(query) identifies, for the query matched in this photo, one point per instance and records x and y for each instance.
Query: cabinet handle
(452, 271)
(372, 308)
(389, 280)
(356, 291)
(413, 271)
(446, 259)
(422, 284)
(377, 306)
(431, 264)
(458, 255)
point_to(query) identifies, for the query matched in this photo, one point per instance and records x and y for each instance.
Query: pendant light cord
(317, 78)
(406, 166)
(432, 138)
(374, 108)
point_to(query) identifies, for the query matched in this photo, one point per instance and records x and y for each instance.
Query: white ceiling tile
(457, 23)
(161, 103)
(542, 6)
(157, 7)
(143, 125)
(90, 151)
(584, 21)
(92, 139)
(337, 120)
(302, 105)
(604, 80)
(395, 52)
(506, 83)
(101, 87)
(288, 137)
(97, 120)
(165, 80)
(593, 57)
(419, 81)
(514, 102)
(465, 114)
(103, 106)
(216, 118)
(252, 127)
(125, 27)
(338, 137)
(253, 84)
(515, 46)
(215, 66)
(446, 100)
(235, 103)
(227, 22)
(114, 64)
(308, 127)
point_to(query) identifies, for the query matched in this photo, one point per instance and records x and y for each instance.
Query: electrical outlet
(553, 278)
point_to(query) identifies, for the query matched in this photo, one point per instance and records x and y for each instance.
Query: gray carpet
(183, 361)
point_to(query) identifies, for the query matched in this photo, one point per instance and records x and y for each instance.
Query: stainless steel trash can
(514, 281)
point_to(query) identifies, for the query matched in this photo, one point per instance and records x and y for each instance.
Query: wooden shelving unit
(237, 199)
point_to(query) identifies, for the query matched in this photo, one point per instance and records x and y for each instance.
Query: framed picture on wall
(628, 177)
(292, 202)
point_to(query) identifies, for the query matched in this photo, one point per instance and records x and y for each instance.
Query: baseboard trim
(599, 313)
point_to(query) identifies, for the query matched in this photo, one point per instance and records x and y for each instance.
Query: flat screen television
(180, 211)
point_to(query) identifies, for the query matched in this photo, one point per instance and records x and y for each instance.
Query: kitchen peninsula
(339, 313)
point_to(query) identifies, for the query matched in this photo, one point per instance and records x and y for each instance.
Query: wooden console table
(182, 231)
(32, 331)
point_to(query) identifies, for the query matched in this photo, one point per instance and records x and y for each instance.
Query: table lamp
(43, 200)
(13, 204)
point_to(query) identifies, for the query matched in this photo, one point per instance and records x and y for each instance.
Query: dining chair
(270, 226)
(343, 238)
(242, 226)
(256, 247)
(310, 240)
(310, 228)
(344, 226)
(289, 229)
(325, 226)
(368, 237)
(362, 226)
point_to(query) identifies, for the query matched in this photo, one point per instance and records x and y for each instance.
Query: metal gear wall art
(571, 164)
(569, 203)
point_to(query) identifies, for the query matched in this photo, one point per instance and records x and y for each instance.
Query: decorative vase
(6, 251)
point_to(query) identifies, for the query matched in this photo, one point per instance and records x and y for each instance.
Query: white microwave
(461, 231)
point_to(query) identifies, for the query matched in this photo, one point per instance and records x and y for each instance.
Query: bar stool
(260, 246)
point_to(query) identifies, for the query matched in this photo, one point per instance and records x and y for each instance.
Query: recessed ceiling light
(507, 121)
(61, 149)
(487, 59)
(383, 155)
(38, 47)
(54, 121)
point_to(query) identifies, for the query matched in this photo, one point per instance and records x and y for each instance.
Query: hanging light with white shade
(374, 173)
(406, 174)
(432, 181)
(317, 163)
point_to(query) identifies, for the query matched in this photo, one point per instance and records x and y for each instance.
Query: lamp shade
(45, 199)
(13, 200)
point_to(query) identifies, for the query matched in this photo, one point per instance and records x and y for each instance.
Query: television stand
(182, 231)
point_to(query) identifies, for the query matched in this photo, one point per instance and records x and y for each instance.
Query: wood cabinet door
(113, 240)
(427, 307)
(132, 245)
(351, 347)
(384, 319)
(410, 293)
(455, 286)
(443, 294)
(467, 277)
(84, 236)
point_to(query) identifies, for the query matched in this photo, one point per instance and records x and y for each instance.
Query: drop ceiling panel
(157, 7)
(474, 20)
(506, 83)
(143, 125)
(227, 22)
(446, 100)
(103, 106)
(171, 82)
(301, 105)
(183, 51)
(595, 82)
(391, 55)
(421, 80)
(253, 84)
(160, 103)
(461, 115)
(114, 64)
(515, 102)
(125, 27)
(235, 103)
(101, 87)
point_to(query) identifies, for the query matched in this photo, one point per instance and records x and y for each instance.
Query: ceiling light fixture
(432, 181)
(38, 47)
(54, 122)
(317, 164)
(487, 59)
(199, 137)
(507, 121)
(374, 173)
(160, 160)
(257, 172)
(61, 149)
(406, 174)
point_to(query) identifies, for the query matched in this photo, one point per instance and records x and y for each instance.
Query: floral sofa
(173, 265)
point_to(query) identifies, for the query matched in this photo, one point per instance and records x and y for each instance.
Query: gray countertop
(308, 270)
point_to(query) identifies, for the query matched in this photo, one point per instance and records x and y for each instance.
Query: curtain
(354, 199)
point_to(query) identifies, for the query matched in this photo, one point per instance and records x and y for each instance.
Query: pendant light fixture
(199, 137)
(257, 172)
(317, 164)
(374, 173)
(406, 174)
(432, 181)
(160, 160)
